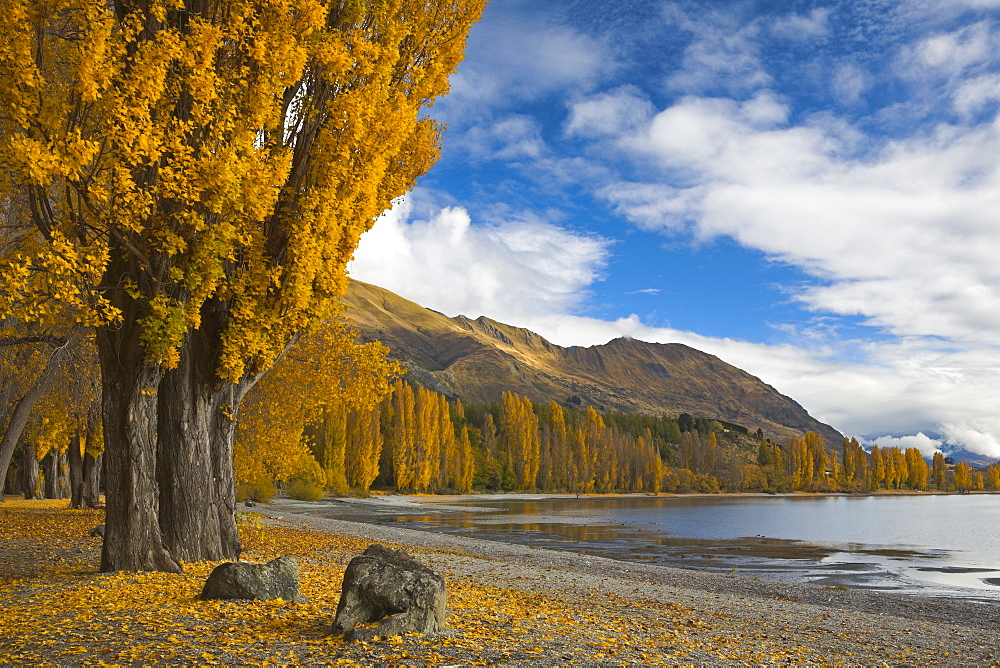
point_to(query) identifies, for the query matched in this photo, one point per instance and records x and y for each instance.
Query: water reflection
(933, 545)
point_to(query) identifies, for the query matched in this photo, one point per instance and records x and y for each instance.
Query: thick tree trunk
(195, 454)
(75, 458)
(29, 477)
(132, 540)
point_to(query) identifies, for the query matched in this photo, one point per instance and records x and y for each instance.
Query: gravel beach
(716, 615)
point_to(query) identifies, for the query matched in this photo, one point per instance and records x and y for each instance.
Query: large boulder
(391, 587)
(237, 580)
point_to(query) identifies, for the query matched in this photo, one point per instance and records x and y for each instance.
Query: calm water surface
(934, 545)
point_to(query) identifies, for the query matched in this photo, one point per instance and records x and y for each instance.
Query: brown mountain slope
(477, 360)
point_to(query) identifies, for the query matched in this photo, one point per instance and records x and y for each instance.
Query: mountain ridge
(477, 359)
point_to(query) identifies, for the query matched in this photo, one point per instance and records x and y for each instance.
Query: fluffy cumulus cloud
(979, 435)
(953, 52)
(512, 271)
(927, 445)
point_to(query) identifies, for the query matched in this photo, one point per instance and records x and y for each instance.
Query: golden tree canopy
(229, 150)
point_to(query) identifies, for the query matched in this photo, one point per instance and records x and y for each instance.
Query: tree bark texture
(197, 414)
(75, 458)
(92, 467)
(132, 540)
(50, 471)
(29, 475)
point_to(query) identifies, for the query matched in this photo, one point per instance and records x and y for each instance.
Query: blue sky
(809, 190)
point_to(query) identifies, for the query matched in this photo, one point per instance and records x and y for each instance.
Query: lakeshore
(933, 545)
(507, 605)
(718, 613)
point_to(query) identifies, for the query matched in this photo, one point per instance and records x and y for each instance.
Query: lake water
(930, 544)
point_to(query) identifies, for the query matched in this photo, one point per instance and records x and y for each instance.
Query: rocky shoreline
(851, 625)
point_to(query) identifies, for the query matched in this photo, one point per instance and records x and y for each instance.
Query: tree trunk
(92, 466)
(50, 469)
(11, 482)
(195, 453)
(132, 540)
(22, 408)
(92, 480)
(62, 475)
(75, 472)
(29, 477)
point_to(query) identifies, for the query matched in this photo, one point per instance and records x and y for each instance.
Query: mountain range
(477, 360)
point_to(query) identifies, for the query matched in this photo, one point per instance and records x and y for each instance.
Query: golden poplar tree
(448, 449)
(465, 469)
(876, 468)
(963, 477)
(939, 471)
(427, 440)
(364, 449)
(402, 436)
(993, 477)
(557, 447)
(519, 439)
(327, 371)
(917, 471)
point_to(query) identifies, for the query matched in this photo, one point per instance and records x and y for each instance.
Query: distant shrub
(305, 490)
(258, 490)
(337, 482)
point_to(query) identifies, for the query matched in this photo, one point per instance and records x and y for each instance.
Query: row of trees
(416, 440)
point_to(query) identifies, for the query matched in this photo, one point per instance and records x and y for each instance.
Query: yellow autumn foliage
(225, 150)
(325, 368)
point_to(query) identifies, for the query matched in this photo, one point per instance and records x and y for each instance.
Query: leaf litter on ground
(58, 608)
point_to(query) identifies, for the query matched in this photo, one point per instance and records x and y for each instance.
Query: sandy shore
(829, 624)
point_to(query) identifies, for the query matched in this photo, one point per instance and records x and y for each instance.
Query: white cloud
(927, 445)
(974, 95)
(801, 27)
(517, 57)
(906, 237)
(724, 53)
(511, 137)
(850, 83)
(955, 51)
(981, 436)
(510, 271)
(608, 114)
(903, 236)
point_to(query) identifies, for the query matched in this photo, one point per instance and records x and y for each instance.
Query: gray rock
(275, 579)
(389, 586)
(98, 531)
